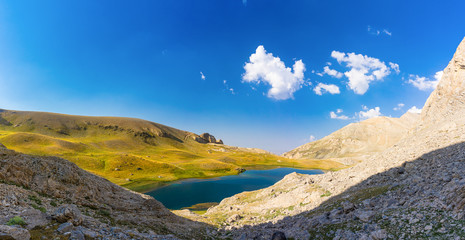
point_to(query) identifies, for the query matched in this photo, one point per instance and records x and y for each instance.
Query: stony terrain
(52, 197)
(413, 189)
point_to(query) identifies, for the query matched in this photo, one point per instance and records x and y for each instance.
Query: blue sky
(145, 59)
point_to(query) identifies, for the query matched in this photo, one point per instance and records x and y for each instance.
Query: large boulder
(68, 213)
(14, 232)
(35, 218)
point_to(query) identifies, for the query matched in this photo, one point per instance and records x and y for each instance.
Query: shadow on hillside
(434, 176)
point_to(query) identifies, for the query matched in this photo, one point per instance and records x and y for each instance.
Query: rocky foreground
(52, 198)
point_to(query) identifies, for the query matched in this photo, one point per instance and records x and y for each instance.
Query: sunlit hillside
(134, 153)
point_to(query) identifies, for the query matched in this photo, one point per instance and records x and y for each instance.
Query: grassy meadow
(133, 153)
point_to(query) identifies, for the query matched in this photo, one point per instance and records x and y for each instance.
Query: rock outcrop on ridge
(206, 138)
(413, 189)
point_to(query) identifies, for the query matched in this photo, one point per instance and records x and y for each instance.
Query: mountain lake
(189, 192)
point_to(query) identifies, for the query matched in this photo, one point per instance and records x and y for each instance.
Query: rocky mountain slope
(358, 139)
(413, 189)
(134, 153)
(51, 197)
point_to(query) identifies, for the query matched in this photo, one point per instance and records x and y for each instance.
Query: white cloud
(202, 76)
(398, 107)
(424, 83)
(312, 138)
(334, 115)
(438, 75)
(265, 67)
(332, 72)
(377, 32)
(414, 109)
(395, 67)
(326, 88)
(363, 70)
(225, 83)
(369, 113)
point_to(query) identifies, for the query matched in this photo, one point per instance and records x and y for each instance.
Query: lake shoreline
(152, 185)
(191, 192)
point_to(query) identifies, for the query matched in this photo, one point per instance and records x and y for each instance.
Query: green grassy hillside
(134, 153)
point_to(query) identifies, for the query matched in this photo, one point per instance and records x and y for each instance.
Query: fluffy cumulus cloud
(398, 107)
(363, 70)
(326, 88)
(332, 72)
(264, 67)
(369, 113)
(424, 83)
(338, 115)
(414, 109)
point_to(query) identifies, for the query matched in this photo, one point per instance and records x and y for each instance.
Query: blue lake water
(186, 193)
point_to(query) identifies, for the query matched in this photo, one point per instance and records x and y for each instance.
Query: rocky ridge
(359, 139)
(413, 189)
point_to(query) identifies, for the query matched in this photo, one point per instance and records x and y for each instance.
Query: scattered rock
(76, 235)
(65, 227)
(35, 218)
(68, 213)
(348, 206)
(379, 234)
(400, 170)
(364, 215)
(278, 236)
(14, 232)
(234, 218)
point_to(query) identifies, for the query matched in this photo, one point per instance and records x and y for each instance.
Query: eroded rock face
(448, 99)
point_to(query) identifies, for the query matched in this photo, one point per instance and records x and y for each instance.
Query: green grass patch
(35, 199)
(326, 194)
(17, 220)
(42, 209)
